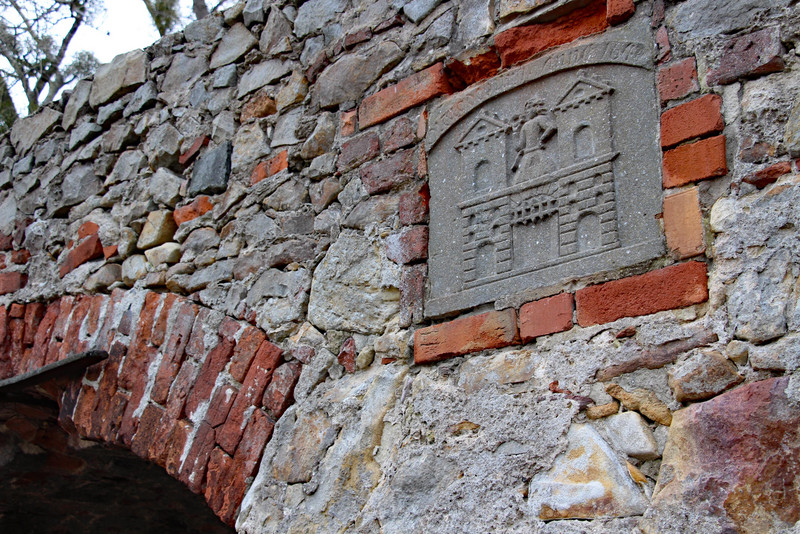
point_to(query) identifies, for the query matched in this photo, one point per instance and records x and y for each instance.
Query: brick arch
(185, 387)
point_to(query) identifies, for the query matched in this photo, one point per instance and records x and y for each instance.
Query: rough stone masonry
(397, 266)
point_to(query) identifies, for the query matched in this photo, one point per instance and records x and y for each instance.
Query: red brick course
(677, 80)
(546, 316)
(87, 250)
(696, 118)
(750, 55)
(618, 11)
(523, 42)
(490, 330)
(199, 206)
(694, 162)
(272, 166)
(10, 282)
(664, 289)
(408, 246)
(683, 224)
(383, 175)
(406, 94)
(769, 175)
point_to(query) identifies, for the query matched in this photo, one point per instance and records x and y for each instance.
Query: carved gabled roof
(485, 126)
(583, 90)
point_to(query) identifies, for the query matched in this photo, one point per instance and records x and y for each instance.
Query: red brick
(750, 55)
(546, 316)
(770, 175)
(10, 282)
(97, 303)
(73, 343)
(280, 392)
(664, 48)
(260, 106)
(174, 351)
(523, 42)
(490, 330)
(696, 118)
(394, 21)
(179, 390)
(398, 134)
(6, 242)
(347, 355)
(223, 487)
(356, 37)
(16, 311)
(175, 445)
(82, 414)
(383, 175)
(694, 162)
(677, 80)
(146, 431)
(220, 405)
(254, 439)
(246, 348)
(20, 257)
(473, 66)
(412, 294)
(193, 470)
(618, 11)
(260, 374)
(349, 123)
(672, 287)
(34, 312)
(88, 228)
(413, 208)
(406, 94)
(193, 150)
(109, 251)
(408, 246)
(272, 166)
(160, 326)
(196, 347)
(358, 150)
(214, 363)
(199, 206)
(87, 250)
(683, 224)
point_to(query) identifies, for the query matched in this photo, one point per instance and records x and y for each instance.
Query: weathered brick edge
(206, 412)
(664, 289)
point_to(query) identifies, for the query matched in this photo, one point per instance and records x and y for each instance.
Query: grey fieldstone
(286, 129)
(315, 15)
(354, 287)
(78, 185)
(416, 10)
(120, 135)
(476, 19)
(223, 127)
(211, 171)
(163, 146)
(77, 104)
(127, 167)
(110, 112)
(83, 133)
(249, 144)
(8, 214)
(166, 253)
(706, 18)
(703, 375)
(145, 96)
(275, 36)
(628, 432)
(225, 77)
(104, 277)
(122, 75)
(159, 229)
(134, 268)
(22, 166)
(254, 12)
(263, 74)
(206, 30)
(165, 187)
(294, 91)
(321, 139)
(348, 78)
(183, 72)
(791, 137)
(28, 130)
(311, 49)
(221, 271)
(197, 242)
(258, 229)
(236, 43)
(45, 152)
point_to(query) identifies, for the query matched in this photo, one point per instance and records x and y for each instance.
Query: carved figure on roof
(533, 159)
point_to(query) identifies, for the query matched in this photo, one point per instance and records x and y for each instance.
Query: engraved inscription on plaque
(544, 174)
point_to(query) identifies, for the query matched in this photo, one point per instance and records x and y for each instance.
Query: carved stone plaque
(547, 173)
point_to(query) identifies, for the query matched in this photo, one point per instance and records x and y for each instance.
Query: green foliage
(165, 14)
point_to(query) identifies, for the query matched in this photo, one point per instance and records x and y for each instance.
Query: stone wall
(239, 216)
